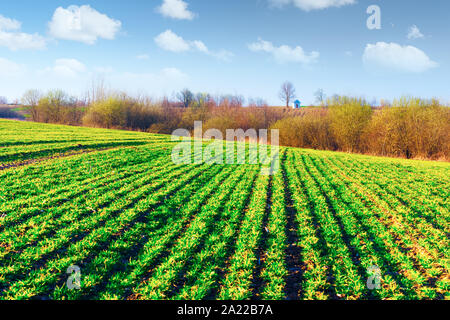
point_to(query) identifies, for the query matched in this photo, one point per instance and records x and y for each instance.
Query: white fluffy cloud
(19, 40)
(170, 41)
(66, 68)
(284, 53)
(11, 69)
(393, 56)
(414, 33)
(176, 9)
(9, 24)
(308, 5)
(12, 38)
(83, 24)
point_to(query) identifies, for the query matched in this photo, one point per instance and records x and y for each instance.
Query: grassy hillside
(141, 227)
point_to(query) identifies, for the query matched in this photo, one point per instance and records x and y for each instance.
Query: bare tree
(97, 91)
(203, 98)
(186, 97)
(31, 98)
(258, 102)
(287, 93)
(320, 96)
(3, 100)
(230, 101)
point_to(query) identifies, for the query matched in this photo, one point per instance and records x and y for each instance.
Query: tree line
(407, 127)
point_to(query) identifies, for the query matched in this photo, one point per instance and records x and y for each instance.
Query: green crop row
(142, 227)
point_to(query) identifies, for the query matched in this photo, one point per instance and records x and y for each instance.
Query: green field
(141, 227)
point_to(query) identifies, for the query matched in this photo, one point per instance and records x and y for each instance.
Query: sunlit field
(327, 225)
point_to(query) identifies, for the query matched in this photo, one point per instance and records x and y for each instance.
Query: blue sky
(246, 47)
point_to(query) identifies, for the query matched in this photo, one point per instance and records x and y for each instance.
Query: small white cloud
(143, 57)
(284, 53)
(11, 38)
(68, 67)
(393, 56)
(19, 40)
(176, 9)
(65, 68)
(83, 24)
(308, 5)
(200, 46)
(9, 24)
(11, 69)
(414, 33)
(170, 41)
(349, 53)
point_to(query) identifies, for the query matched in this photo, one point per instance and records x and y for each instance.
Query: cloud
(176, 9)
(9, 24)
(393, 56)
(308, 5)
(170, 41)
(11, 69)
(284, 53)
(83, 24)
(65, 68)
(12, 38)
(19, 40)
(414, 33)
(200, 46)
